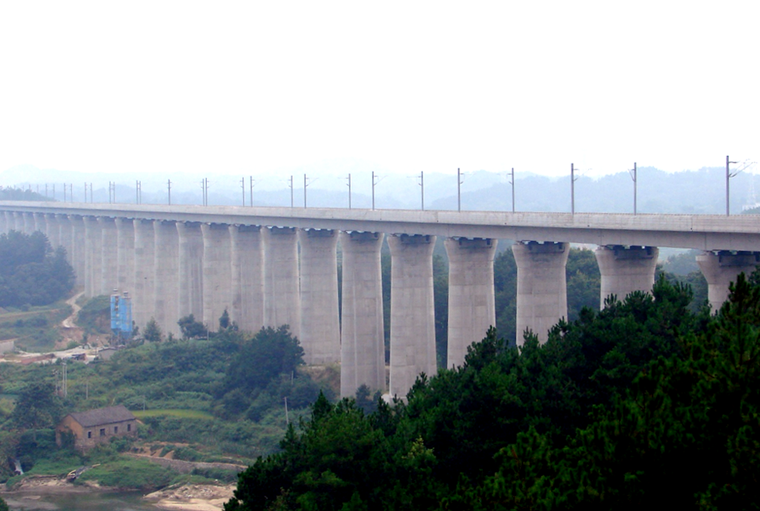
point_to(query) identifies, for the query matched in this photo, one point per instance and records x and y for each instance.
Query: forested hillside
(31, 273)
(11, 193)
(642, 404)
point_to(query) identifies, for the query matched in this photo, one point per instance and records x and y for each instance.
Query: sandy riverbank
(192, 497)
(186, 497)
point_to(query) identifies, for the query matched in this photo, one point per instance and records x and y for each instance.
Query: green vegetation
(30, 272)
(34, 329)
(641, 404)
(95, 315)
(19, 194)
(182, 414)
(220, 398)
(130, 473)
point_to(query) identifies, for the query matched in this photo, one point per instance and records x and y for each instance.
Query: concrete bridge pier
(320, 323)
(65, 232)
(472, 308)
(625, 270)
(143, 297)
(77, 248)
(190, 269)
(29, 227)
(39, 222)
(51, 229)
(18, 221)
(217, 273)
(166, 281)
(412, 311)
(109, 269)
(362, 349)
(282, 301)
(541, 286)
(93, 256)
(247, 248)
(720, 268)
(125, 245)
(3, 222)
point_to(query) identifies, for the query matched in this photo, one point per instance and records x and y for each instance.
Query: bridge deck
(706, 232)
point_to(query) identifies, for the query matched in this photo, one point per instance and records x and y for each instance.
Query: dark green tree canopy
(190, 328)
(642, 404)
(37, 407)
(31, 272)
(267, 354)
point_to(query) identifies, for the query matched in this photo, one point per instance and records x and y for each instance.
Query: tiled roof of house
(100, 416)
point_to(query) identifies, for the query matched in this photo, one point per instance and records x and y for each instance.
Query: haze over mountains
(697, 192)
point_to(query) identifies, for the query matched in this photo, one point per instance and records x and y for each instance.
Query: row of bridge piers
(275, 275)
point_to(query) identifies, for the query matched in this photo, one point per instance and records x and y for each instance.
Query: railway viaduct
(271, 266)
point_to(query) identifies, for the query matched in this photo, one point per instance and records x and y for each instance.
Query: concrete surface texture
(65, 234)
(541, 286)
(362, 331)
(93, 256)
(77, 249)
(247, 247)
(217, 273)
(190, 270)
(166, 279)
(472, 308)
(109, 269)
(282, 300)
(412, 311)
(143, 296)
(51, 229)
(28, 220)
(625, 270)
(720, 268)
(125, 237)
(320, 323)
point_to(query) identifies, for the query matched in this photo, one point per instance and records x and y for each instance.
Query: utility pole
(305, 185)
(459, 190)
(53, 191)
(291, 191)
(635, 177)
(572, 188)
(729, 175)
(512, 182)
(138, 192)
(169, 188)
(422, 190)
(64, 192)
(349, 191)
(242, 187)
(250, 178)
(374, 182)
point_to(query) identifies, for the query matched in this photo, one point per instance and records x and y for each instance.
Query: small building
(96, 426)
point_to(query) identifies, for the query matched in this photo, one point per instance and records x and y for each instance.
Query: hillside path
(69, 321)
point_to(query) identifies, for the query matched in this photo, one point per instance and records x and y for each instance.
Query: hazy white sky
(261, 86)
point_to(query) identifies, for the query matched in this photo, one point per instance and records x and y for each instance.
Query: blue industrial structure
(121, 315)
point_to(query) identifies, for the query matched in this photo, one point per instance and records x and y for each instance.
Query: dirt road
(69, 321)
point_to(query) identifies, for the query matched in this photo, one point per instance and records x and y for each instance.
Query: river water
(84, 501)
